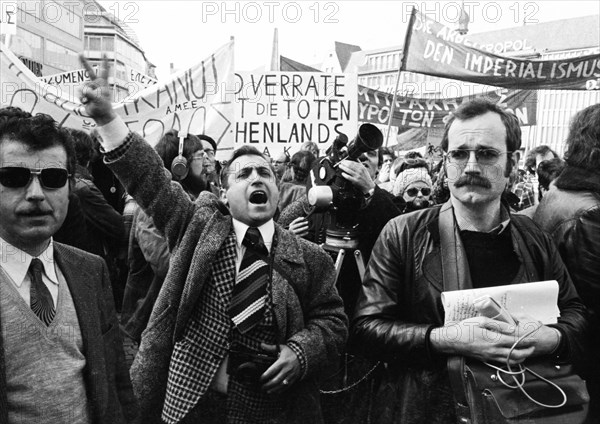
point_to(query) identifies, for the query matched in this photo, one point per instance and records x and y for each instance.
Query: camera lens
(248, 373)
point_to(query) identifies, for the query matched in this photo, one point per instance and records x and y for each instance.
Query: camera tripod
(339, 244)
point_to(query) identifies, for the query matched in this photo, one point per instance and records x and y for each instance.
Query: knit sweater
(44, 365)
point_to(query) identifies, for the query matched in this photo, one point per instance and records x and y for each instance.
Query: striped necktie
(250, 291)
(39, 296)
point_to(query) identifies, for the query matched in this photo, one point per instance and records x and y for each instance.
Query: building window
(108, 44)
(29, 45)
(93, 43)
(120, 71)
(129, 54)
(61, 57)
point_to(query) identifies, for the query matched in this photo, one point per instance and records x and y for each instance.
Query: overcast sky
(186, 32)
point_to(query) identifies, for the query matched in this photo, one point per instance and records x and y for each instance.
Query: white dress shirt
(15, 263)
(267, 231)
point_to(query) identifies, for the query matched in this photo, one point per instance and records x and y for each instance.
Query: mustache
(472, 180)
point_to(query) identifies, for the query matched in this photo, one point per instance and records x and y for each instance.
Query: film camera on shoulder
(338, 198)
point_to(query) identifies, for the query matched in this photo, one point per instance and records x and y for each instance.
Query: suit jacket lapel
(84, 296)
(287, 254)
(204, 255)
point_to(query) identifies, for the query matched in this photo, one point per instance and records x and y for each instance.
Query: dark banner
(374, 107)
(433, 49)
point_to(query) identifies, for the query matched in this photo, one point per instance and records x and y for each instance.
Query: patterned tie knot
(36, 267)
(40, 298)
(253, 240)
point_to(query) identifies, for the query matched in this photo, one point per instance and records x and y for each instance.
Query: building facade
(378, 69)
(49, 35)
(106, 34)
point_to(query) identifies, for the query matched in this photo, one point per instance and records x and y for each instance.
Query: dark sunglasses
(412, 192)
(18, 177)
(483, 156)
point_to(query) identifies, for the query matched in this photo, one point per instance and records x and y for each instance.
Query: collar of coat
(578, 179)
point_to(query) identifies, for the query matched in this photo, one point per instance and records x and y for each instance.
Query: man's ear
(512, 161)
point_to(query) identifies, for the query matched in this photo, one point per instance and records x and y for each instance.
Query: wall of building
(49, 35)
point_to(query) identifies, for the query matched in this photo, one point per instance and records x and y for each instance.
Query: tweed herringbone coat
(307, 307)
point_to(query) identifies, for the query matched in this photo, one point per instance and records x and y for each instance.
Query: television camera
(332, 194)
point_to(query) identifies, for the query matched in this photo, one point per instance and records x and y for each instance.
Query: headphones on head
(179, 166)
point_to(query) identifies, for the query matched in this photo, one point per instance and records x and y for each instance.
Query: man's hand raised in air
(96, 93)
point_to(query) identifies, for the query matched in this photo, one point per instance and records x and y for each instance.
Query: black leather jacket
(572, 218)
(400, 303)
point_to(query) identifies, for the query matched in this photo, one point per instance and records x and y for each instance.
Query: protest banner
(431, 48)
(374, 106)
(71, 82)
(138, 79)
(195, 100)
(278, 111)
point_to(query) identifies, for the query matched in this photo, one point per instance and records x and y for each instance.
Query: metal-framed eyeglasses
(202, 154)
(483, 156)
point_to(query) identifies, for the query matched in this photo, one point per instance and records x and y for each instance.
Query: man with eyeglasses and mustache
(471, 241)
(61, 354)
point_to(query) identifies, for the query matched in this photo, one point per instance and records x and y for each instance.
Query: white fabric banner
(198, 100)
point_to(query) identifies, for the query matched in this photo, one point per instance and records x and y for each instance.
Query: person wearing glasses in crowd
(471, 241)
(280, 164)
(414, 186)
(61, 353)
(210, 164)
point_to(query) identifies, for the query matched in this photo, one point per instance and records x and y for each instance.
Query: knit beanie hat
(409, 176)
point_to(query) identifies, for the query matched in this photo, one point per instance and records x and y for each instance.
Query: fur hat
(409, 176)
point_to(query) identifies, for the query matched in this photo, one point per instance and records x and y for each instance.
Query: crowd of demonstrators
(570, 213)
(231, 291)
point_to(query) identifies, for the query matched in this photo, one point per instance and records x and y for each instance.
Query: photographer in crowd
(350, 386)
(248, 317)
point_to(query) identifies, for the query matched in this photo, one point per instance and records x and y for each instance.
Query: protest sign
(374, 106)
(278, 111)
(137, 80)
(433, 49)
(194, 100)
(70, 82)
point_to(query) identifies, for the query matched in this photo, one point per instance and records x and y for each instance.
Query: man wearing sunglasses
(61, 355)
(471, 241)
